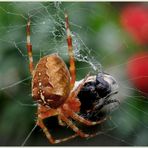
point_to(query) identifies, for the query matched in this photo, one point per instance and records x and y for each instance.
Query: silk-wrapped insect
(97, 95)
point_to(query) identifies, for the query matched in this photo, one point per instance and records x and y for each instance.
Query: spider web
(129, 122)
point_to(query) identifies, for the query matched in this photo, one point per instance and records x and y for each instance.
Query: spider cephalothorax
(53, 90)
(96, 93)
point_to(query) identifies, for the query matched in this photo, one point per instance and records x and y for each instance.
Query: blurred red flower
(134, 19)
(137, 69)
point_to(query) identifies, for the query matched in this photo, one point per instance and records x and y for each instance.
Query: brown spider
(52, 88)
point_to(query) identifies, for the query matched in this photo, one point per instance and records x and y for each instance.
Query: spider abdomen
(51, 81)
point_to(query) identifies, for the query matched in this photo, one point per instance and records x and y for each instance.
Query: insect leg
(99, 107)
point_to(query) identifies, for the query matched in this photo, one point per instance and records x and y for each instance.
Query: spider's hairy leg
(73, 103)
(84, 121)
(49, 136)
(61, 122)
(75, 128)
(29, 47)
(44, 113)
(75, 92)
(72, 68)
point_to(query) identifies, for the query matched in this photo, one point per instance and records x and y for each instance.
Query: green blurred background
(96, 26)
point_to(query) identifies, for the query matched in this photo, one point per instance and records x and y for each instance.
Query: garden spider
(53, 90)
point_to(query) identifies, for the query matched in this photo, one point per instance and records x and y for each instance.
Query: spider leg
(49, 136)
(85, 121)
(75, 128)
(61, 122)
(29, 47)
(79, 87)
(72, 68)
(73, 102)
(44, 113)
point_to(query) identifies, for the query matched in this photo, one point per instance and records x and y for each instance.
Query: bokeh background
(114, 35)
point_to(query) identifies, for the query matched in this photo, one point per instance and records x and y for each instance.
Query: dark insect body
(95, 94)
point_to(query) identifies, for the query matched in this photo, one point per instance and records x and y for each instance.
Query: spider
(53, 90)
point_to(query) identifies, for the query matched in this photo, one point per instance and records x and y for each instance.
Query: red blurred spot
(137, 70)
(134, 19)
